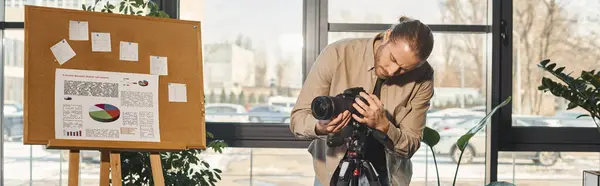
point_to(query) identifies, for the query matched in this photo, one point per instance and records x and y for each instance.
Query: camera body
(355, 133)
(328, 107)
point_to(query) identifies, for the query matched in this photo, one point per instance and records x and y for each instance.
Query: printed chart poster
(97, 105)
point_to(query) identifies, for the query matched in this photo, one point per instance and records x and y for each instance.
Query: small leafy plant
(582, 91)
(432, 137)
(130, 7)
(179, 168)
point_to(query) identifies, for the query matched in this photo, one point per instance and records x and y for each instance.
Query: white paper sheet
(177, 92)
(97, 105)
(62, 51)
(101, 42)
(129, 51)
(158, 65)
(78, 30)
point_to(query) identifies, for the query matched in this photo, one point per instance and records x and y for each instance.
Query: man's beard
(379, 71)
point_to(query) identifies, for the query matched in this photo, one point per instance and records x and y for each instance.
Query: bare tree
(542, 30)
(463, 54)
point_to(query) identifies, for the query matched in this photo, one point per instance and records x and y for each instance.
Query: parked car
(12, 122)
(267, 114)
(226, 112)
(451, 116)
(569, 119)
(477, 145)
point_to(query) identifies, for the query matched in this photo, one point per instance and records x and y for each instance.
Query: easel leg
(115, 168)
(74, 168)
(157, 172)
(104, 168)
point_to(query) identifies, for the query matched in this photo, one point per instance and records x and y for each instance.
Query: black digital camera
(328, 107)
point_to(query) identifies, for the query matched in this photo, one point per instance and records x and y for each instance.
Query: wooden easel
(110, 161)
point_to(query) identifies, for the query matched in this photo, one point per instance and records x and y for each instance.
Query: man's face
(393, 59)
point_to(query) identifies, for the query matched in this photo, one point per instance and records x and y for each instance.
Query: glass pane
(459, 61)
(252, 67)
(18, 158)
(564, 32)
(262, 166)
(27, 163)
(546, 168)
(428, 11)
(15, 8)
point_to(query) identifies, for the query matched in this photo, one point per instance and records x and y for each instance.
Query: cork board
(182, 124)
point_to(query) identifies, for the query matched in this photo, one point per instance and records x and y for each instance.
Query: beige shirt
(349, 63)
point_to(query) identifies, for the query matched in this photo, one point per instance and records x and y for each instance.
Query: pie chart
(104, 113)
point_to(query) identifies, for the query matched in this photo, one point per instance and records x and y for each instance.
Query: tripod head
(354, 135)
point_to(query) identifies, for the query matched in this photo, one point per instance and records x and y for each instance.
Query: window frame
(567, 139)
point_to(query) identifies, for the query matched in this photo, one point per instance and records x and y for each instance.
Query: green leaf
(583, 115)
(138, 12)
(464, 140)
(218, 170)
(551, 66)
(500, 183)
(545, 62)
(163, 14)
(430, 137)
(205, 164)
(559, 70)
(83, 7)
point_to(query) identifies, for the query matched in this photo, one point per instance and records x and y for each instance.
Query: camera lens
(322, 108)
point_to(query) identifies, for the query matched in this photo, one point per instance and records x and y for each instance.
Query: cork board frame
(182, 124)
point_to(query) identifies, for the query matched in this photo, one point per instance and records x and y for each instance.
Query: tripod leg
(343, 174)
(370, 173)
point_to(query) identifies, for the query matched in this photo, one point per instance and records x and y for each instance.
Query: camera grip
(334, 140)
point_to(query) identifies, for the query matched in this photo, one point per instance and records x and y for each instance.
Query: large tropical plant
(432, 137)
(582, 91)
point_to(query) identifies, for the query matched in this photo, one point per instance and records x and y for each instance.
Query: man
(393, 62)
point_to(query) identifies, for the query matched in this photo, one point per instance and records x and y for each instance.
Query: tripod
(353, 169)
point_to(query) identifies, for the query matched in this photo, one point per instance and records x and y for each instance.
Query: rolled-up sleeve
(406, 137)
(318, 82)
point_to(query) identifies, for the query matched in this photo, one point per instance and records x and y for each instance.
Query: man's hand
(374, 113)
(324, 127)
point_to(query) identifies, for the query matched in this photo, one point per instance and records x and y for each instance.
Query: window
(546, 168)
(564, 33)
(428, 11)
(252, 57)
(16, 13)
(262, 166)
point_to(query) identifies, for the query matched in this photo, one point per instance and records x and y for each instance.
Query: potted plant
(432, 137)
